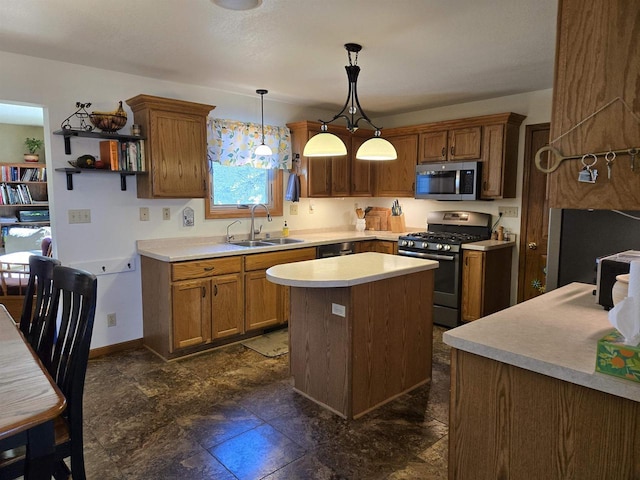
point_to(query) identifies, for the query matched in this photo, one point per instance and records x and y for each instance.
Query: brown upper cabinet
(176, 146)
(490, 139)
(331, 176)
(597, 42)
(396, 178)
(450, 145)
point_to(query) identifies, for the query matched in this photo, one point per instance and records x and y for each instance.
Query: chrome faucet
(230, 237)
(253, 232)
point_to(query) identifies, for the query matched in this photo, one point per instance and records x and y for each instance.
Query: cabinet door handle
(466, 261)
(204, 292)
(452, 150)
(444, 151)
(215, 290)
(208, 269)
(484, 185)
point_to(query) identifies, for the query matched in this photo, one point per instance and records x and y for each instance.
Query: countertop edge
(583, 373)
(296, 275)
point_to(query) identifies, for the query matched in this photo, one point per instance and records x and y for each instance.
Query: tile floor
(231, 414)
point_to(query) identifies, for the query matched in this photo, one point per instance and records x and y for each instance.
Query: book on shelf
(110, 153)
(15, 194)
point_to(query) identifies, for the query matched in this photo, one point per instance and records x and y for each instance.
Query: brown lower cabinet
(486, 282)
(379, 246)
(193, 305)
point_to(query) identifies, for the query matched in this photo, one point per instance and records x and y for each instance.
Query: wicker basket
(108, 123)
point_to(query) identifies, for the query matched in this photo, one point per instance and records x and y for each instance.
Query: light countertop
(180, 249)
(486, 245)
(195, 248)
(554, 334)
(347, 270)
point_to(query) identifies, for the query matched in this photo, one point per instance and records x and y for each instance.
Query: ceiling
(417, 54)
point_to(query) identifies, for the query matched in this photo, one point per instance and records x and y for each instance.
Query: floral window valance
(233, 143)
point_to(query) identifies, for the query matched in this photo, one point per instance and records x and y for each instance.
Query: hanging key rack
(556, 158)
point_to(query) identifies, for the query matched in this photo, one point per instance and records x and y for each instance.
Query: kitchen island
(526, 401)
(360, 328)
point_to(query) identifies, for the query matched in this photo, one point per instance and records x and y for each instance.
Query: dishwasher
(335, 250)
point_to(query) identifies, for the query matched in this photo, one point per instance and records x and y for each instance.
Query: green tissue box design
(617, 359)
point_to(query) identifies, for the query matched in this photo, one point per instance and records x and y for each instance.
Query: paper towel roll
(625, 316)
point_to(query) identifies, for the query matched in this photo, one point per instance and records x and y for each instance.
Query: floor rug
(271, 344)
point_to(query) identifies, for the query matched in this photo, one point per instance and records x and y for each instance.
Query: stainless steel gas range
(446, 232)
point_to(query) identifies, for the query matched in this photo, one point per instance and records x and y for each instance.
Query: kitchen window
(237, 177)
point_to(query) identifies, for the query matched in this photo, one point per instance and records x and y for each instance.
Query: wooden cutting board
(382, 215)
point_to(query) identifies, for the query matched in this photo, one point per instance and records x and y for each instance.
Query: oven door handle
(428, 256)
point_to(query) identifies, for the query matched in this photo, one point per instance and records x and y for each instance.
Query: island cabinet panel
(321, 362)
(507, 422)
(596, 63)
(380, 349)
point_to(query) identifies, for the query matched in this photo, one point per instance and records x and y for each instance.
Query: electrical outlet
(79, 216)
(511, 212)
(166, 213)
(111, 320)
(144, 214)
(293, 209)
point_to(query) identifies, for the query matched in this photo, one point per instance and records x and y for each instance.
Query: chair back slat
(34, 313)
(76, 289)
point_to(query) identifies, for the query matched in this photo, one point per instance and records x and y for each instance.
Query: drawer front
(205, 268)
(263, 261)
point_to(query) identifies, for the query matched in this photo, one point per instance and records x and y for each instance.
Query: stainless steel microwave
(448, 181)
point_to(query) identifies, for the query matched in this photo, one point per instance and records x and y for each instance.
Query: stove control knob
(410, 243)
(439, 246)
(446, 247)
(402, 243)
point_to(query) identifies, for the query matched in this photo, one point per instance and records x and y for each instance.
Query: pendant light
(262, 150)
(326, 144)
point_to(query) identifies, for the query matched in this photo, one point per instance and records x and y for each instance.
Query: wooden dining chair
(37, 302)
(68, 326)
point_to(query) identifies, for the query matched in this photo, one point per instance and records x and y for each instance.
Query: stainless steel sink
(282, 241)
(252, 243)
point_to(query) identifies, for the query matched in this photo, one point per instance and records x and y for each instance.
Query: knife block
(397, 223)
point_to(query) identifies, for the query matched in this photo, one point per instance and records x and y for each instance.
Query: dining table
(30, 401)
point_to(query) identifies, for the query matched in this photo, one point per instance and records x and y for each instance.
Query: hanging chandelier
(326, 144)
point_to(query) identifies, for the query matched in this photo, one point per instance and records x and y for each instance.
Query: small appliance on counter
(607, 269)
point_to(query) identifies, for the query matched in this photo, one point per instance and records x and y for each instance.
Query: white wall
(115, 224)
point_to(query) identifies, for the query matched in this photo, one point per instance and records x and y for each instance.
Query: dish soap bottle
(285, 230)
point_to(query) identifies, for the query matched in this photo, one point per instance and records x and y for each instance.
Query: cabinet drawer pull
(208, 269)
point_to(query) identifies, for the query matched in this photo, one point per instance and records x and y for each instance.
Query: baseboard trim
(117, 347)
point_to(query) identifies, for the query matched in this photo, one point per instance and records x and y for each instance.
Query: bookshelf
(23, 187)
(121, 169)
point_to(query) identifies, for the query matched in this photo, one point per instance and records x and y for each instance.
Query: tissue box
(617, 359)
